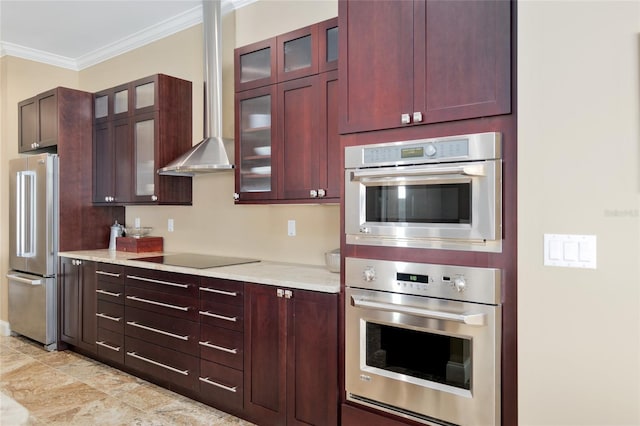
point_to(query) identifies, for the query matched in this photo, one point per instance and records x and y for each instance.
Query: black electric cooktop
(198, 261)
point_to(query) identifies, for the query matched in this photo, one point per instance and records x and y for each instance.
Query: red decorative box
(139, 245)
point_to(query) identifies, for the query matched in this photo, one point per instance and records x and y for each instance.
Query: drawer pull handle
(109, 274)
(104, 345)
(109, 317)
(149, 280)
(153, 302)
(159, 364)
(222, 317)
(221, 386)
(225, 293)
(155, 330)
(220, 348)
(108, 293)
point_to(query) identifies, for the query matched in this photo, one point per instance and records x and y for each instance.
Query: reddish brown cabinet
(140, 127)
(291, 356)
(77, 304)
(110, 312)
(287, 145)
(39, 118)
(426, 62)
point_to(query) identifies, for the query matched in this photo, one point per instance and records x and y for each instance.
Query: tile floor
(64, 388)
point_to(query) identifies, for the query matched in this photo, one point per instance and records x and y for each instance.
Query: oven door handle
(470, 319)
(393, 172)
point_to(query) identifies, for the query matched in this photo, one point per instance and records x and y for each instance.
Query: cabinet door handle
(159, 364)
(150, 280)
(280, 292)
(155, 330)
(213, 290)
(154, 198)
(236, 196)
(417, 117)
(288, 294)
(222, 317)
(322, 193)
(109, 317)
(108, 293)
(221, 386)
(153, 302)
(313, 193)
(104, 345)
(220, 348)
(109, 274)
(405, 118)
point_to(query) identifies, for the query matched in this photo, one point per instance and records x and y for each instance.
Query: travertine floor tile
(65, 388)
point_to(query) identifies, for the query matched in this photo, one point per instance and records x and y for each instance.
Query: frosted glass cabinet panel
(297, 54)
(101, 106)
(144, 157)
(121, 102)
(145, 95)
(255, 148)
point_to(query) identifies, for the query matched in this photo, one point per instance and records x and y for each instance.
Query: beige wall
(578, 136)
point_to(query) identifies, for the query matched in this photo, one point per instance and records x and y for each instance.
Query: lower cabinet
(77, 304)
(291, 361)
(260, 352)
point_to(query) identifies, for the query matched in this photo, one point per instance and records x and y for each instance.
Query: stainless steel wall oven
(428, 193)
(422, 341)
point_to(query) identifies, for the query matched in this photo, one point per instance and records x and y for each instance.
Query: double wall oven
(423, 341)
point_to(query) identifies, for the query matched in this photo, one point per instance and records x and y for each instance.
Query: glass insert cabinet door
(144, 134)
(255, 144)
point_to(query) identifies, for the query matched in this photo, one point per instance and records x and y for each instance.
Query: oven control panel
(463, 283)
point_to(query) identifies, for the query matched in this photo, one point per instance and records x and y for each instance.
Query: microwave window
(441, 203)
(434, 357)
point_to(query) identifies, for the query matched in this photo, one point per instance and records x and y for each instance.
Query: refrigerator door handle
(25, 213)
(18, 278)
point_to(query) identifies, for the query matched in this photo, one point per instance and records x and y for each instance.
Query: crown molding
(10, 49)
(150, 34)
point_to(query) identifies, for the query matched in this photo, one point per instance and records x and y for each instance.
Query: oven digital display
(412, 152)
(412, 278)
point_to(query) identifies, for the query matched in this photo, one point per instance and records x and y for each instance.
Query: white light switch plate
(291, 228)
(136, 222)
(571, 251)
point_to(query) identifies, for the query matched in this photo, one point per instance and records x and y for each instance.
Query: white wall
(578, 136)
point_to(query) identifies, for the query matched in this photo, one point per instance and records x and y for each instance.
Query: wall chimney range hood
(211, 154)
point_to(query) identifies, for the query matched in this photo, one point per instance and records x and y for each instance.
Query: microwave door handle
(470, 319)
(464, 170)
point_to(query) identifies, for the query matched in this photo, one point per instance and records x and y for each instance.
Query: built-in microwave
(428, 193)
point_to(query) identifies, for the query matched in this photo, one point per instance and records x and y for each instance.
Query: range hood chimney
(209, 155)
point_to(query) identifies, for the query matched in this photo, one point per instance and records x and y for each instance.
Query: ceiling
(76, 34)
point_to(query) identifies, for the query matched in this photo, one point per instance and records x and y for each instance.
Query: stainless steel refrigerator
(33, 247)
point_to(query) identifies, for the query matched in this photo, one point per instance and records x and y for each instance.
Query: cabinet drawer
(110, 316)
(178, 334)
(221, 385)
(108, 272)
(222, 346)
(222, 291)
(163, 365)
(222, 315)
(110, 291)
(166, 282)
(110, 345)
(184, 307)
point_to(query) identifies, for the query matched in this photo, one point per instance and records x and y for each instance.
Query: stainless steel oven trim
(479, 405)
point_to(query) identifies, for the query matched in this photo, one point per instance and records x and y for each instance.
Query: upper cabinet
(44, 119)
(425, 62)
(139, 127)
(287, 145)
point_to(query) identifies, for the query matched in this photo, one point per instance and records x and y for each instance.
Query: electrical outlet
(291, 228)
(136, 222)
(170, 225)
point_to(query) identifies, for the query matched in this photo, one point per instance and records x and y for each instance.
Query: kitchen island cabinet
(291, 357)
(140, 127)
(427, 62)
(110, 313)
(77, 304)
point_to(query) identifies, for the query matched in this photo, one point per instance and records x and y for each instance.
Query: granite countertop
(304, 277)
